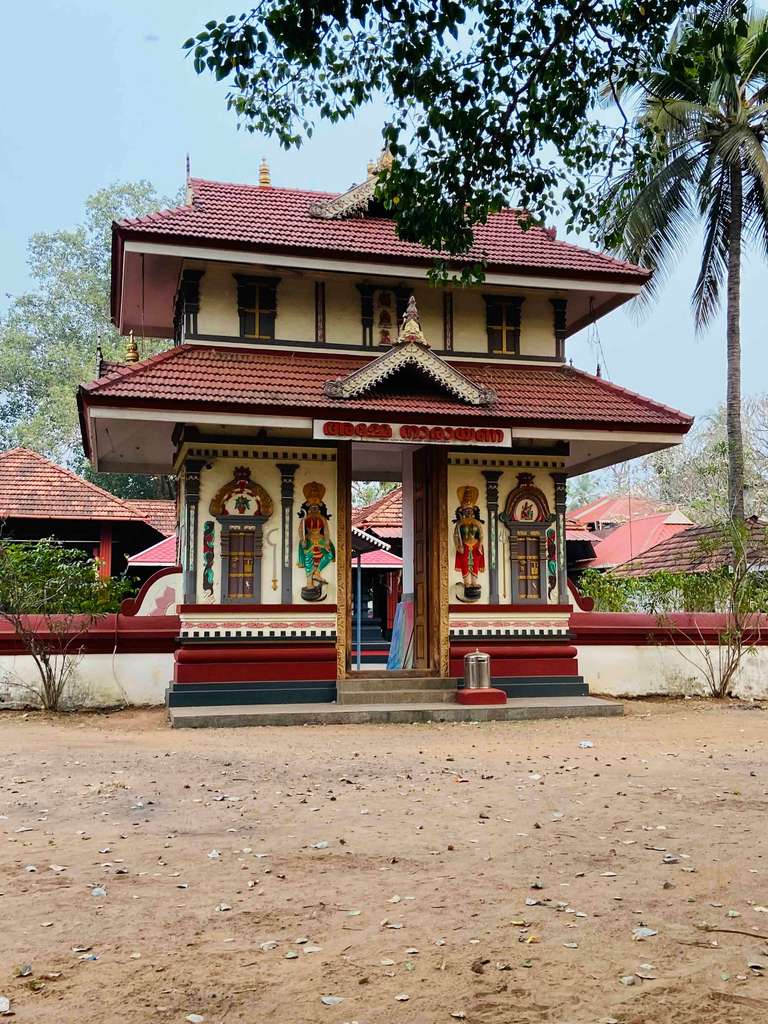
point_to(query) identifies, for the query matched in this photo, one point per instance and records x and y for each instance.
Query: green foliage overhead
(47, 579)
(489, 103)
(49, 335)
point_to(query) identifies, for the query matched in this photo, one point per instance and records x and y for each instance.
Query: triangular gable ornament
(411, 350)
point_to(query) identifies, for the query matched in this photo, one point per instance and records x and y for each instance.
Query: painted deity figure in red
(468, 540)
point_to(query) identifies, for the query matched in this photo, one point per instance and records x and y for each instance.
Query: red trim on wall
(506, 650)
(260, 609)
(264, 652)
(586, 604)
(638, 630)
(131, 605)
(147, 634)
(280, 662)
(495, 609)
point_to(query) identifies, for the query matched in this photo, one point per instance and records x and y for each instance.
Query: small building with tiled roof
(698, 549)
(612, 510)
(39, 499)
(158, 512)
(309, 349)
(632, 538)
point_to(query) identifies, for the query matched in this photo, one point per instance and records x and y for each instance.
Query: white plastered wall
(218, 303)
(462, 475)
(100, 680)
(621, 670)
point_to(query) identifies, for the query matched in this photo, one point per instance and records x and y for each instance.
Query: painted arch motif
(532, 542)
(241, 496)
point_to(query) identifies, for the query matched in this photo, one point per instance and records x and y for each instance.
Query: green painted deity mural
(315, 549)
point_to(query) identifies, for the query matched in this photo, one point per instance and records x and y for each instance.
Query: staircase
(396, 689)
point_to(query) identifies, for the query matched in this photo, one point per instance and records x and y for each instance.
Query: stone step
(524, 709)
(396, 696)
(374, 684)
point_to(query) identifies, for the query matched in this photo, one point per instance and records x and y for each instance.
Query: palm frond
(714, 258)
(654, 216)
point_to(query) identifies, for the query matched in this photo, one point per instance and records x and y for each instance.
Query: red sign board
(412, 433)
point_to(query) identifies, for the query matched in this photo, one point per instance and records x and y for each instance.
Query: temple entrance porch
(274, 574)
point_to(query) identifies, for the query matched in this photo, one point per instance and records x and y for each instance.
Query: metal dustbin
(477, 671)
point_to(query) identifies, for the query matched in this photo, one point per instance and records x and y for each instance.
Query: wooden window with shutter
(242, 544)
(257, 306)
(528, 556)
(503, 319)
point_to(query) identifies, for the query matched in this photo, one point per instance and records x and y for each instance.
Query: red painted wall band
(271, 652)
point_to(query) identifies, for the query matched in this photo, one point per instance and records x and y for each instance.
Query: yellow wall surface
(296, 311)
(264, 471)
(467, 470)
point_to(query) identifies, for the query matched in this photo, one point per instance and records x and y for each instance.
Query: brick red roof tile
(192, 376)
(31, 487)
(617, 508)
(160, 554)
(158, 512)
(386, 512)
(697, 549)
(278, 220)
(634, 537)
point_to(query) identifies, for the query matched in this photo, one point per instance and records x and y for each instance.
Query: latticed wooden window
(503, 318)
(241, 557)
(257, 306)
(528, 557)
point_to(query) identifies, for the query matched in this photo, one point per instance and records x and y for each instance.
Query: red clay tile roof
(278, 220)
(161, 554)
(379, 560)
(386, 512)
(697, 549)
(31, 487)
(618, 508)
(158, 512)
(281, 381)
(634, 537)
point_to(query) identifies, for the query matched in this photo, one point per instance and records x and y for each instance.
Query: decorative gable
(358, 200)
(410, 351)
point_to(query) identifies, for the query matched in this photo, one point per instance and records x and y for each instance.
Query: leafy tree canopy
(490, 103)
(49, 335)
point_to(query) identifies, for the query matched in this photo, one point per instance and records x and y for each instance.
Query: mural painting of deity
(315, 548)
(468, 540)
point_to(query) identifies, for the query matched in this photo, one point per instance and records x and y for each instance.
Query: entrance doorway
(394, 598)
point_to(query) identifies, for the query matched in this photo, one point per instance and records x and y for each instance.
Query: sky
(103, 93)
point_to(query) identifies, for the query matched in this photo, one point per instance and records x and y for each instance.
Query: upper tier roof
(279, 381)
(272, 219)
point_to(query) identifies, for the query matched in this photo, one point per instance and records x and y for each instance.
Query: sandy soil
(439, 837)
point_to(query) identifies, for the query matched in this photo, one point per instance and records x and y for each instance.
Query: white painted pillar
(407, 468)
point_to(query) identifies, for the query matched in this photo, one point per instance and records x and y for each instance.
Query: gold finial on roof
(264, 175)
(385, 160)
(410, 330)
(132, 349)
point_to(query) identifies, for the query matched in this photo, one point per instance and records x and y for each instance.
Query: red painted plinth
(489, 696)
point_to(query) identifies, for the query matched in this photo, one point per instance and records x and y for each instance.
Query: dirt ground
(427, 873)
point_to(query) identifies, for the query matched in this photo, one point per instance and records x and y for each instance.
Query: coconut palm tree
(705, 119)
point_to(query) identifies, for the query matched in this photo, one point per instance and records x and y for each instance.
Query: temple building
(307, 349)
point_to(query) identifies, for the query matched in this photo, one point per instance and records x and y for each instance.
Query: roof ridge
(127, 369)
(264, 188)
